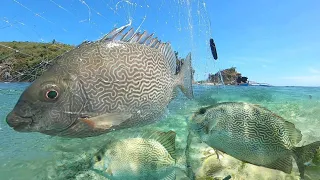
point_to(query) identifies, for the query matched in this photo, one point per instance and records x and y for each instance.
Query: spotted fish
(146, 157)
(253, 134)
(123, 80)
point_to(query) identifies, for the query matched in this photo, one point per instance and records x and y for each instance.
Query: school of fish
(126, 80)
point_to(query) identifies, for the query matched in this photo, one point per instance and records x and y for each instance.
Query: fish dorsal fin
(294, 134)
(126, 36)
(153, 41)
(148, 39)
(119, 34)
(166, 139)
(262, 107)
(112, 35)
(169, 55)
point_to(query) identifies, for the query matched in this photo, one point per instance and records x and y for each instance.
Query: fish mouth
(23, 127)
(19, 123)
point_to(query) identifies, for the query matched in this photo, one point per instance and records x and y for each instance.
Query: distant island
(230, 76)
(25, 61)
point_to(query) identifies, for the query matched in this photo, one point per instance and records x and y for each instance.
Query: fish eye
(52, 94)
(98, 158)
(49, 92)
(202, 111)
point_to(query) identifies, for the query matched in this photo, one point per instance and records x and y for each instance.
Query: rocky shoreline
(25, 61)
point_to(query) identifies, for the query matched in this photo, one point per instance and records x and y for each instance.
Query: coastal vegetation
(24, 61)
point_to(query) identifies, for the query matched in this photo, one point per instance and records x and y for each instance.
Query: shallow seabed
(38, 156)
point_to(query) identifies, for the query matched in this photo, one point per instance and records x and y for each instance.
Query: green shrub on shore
(24, 61)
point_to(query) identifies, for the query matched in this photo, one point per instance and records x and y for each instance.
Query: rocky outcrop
(229, 76)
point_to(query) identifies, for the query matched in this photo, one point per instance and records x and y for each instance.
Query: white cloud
(311, 80)
(314, 71)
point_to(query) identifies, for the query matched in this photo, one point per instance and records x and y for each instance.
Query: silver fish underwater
(253, 134)
(141, 158)
(123, 80)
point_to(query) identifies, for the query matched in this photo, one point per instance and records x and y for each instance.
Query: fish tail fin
(304, 154)
(185, 77)
(191, 175)
(183, 163)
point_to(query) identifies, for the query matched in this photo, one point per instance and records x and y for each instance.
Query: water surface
(39, 156)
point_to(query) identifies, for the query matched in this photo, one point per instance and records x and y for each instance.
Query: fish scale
(121, 84)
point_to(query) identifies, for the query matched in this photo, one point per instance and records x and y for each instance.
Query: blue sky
(270, 41)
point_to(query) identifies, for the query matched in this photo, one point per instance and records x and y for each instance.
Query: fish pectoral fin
(103, 174)
(109, 171)
(283, 164)
(107, 120)
(218, 153)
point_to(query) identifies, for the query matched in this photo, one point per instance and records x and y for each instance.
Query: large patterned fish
(140, 158)
(123, 80)
(253, 134)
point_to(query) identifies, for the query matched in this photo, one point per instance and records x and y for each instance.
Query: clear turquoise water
(38, 156)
